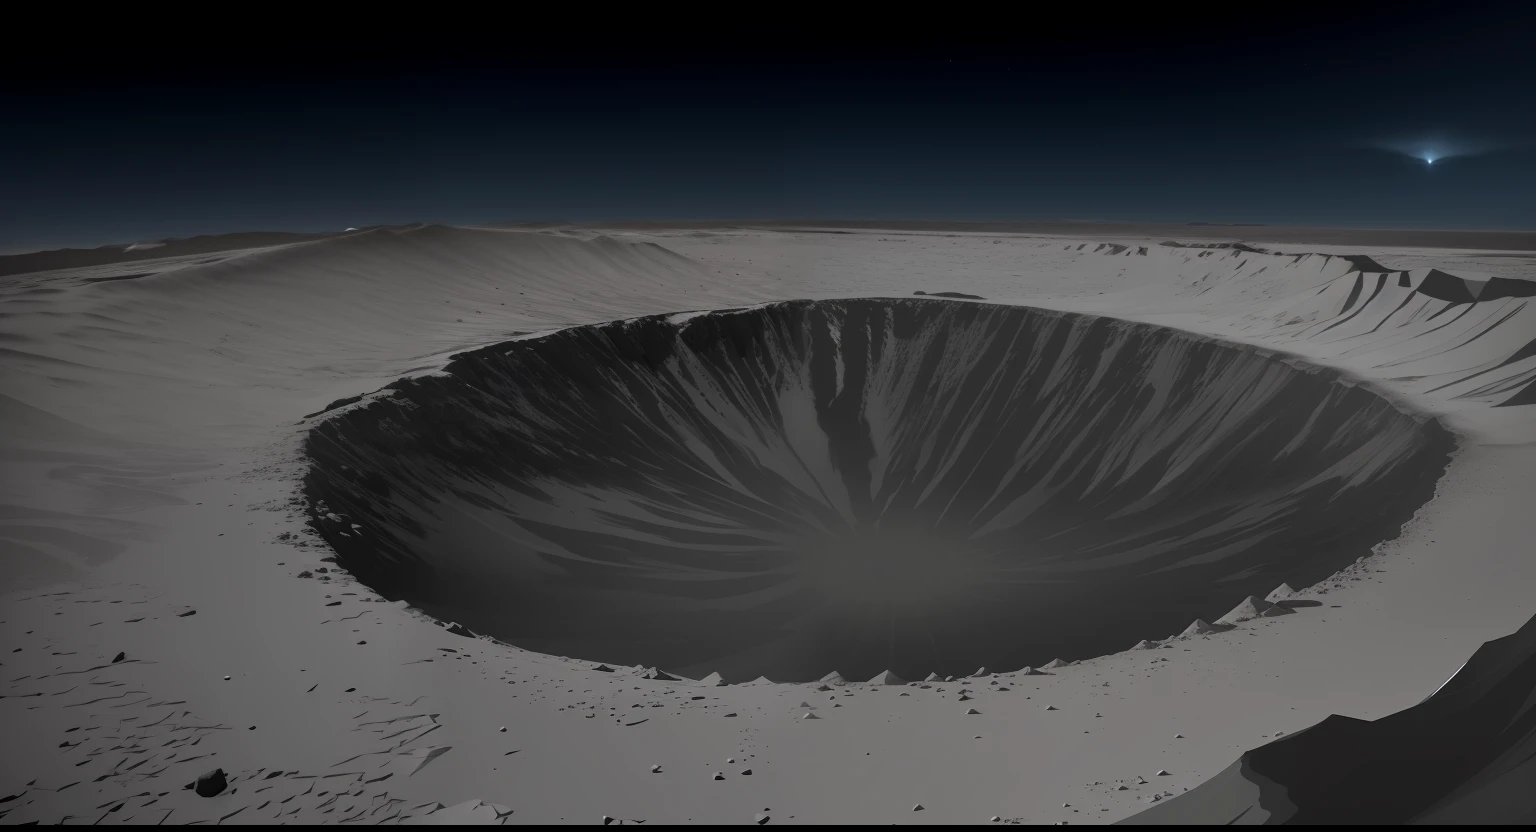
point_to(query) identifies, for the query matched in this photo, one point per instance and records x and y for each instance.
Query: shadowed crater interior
(860, 485)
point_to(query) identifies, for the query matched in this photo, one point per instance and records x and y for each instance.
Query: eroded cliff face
(860, 485)
(1465, 755)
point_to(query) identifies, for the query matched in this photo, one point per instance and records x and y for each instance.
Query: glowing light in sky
(1432, 148)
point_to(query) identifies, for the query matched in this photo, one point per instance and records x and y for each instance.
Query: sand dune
(162, 415)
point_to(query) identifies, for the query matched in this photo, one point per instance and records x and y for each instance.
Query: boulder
(1280, 593)
(1201, 628)
(1250, 607)
(210, 783)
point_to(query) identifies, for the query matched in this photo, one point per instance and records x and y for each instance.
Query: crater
(860, 485)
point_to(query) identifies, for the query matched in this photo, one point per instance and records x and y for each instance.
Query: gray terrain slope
(799, 488)
(1466, 755)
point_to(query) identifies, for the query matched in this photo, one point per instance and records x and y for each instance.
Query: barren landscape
(772, 523)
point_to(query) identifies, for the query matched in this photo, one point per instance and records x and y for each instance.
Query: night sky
(1283, 114)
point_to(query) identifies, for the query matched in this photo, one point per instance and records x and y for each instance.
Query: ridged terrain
(1465, 755)
(859, 485)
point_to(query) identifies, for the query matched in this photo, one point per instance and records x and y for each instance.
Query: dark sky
(1272, 113)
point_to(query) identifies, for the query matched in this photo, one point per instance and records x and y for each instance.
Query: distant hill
(70, 258)
(1289, 235)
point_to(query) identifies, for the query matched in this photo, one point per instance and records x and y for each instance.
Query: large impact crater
(860, 485)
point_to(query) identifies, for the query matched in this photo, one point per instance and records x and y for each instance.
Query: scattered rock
(1251, 607)
(1162, 773)
(713, 680)
(210, 784)
(932, 677)
(809, 715)
(972, 712)
(719, 776)
(1051, 708)
(459, 630)
(1146, 645)
(1201, 628)
(834, 678)
(119, 657)
(917, 807)
(1053, 664)
(1280, 593)
(655, 769)
(1030, 671)
(760, 818)
(981, 673)
(603, 668)
(886, 677)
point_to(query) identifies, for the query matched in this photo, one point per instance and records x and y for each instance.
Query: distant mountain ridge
(72, 258)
